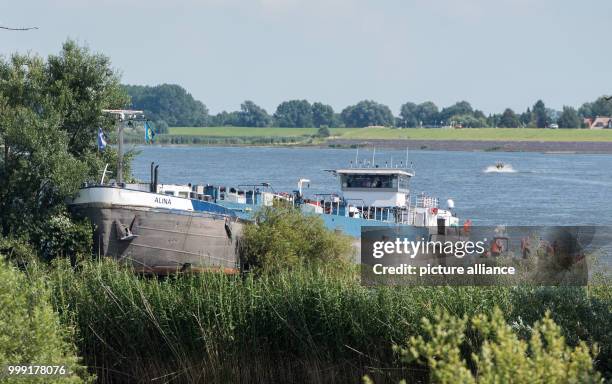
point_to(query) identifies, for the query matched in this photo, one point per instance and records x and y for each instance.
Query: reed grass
(311, 325)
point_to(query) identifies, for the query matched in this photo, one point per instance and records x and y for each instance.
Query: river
(544, 189)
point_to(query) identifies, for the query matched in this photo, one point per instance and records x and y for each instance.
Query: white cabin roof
(374, 171)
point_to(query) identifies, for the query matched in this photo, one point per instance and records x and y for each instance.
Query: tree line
(171, 105)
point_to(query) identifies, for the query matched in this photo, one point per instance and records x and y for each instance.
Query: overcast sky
(492, 53)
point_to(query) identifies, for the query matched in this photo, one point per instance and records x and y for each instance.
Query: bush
(18, 251)
(284, 237)
(30, 330)
(323, 132)
(498, 356)
(63, 236)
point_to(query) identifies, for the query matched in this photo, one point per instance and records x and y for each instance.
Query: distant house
(601, 122)
(587, 121)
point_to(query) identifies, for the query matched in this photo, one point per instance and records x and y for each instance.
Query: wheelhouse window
(369, 181)
(404, 182)
(389, 182)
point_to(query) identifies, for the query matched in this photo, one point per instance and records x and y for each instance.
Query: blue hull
(348, 225)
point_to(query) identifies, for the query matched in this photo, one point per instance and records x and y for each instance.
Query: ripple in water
(507, 168)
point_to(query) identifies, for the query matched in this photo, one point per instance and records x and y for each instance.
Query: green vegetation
(251, 132)
(171, 105)
(500, 134)
(498, 354)
(168, 104)
(367, 113)
(50, 111)
(493, 134)
(283, 239)
(243, 136)
(30, 329)
(219, 328)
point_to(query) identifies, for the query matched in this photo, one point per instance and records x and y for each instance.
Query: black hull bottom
(164, 241)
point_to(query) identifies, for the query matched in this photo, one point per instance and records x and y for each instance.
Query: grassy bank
(494, 134)
(250, 131)
(305, 325)
(278, 135)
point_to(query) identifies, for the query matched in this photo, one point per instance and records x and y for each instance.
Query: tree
(586, 110)
(526, 118)
(569, 118)
(552, 115)
(493, 120)
(252, 115)
(322, 114)
(50, 112)
(408, 115)
(539, 114)
(427, 113)
(509, 119)
(469, 121)
(601, 107)
(479, 114)
(366, 113)
(294, 114)
(459, 108)
(168, 102)
(224, 118)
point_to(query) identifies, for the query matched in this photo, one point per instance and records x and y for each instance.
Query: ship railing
(357, 208)
(424, 201)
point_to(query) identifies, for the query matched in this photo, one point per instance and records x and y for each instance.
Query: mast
(120, 150)
(121, 116)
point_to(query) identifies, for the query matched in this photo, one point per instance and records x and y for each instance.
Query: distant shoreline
(567, 147)
(604, 147)
(442, 139)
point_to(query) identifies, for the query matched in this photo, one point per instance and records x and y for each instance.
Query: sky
(493, 53)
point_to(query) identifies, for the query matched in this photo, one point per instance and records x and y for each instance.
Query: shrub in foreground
(30, 330)
(285, 238)
(499, 355)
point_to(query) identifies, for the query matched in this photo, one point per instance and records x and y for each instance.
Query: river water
(544, 189)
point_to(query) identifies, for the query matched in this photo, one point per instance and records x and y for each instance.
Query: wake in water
(500, 168)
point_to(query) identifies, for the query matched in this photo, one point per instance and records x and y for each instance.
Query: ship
(369, 195)
(157, 228)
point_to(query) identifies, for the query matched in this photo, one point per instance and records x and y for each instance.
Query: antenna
(357, 156)
(373, 154)
(406, 156)
(104, 174)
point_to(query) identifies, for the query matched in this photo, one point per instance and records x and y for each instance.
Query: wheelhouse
(375, 180)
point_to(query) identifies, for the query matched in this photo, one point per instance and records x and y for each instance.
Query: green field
(500, 134)
(250, 132)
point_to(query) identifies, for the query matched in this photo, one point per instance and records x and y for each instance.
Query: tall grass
(217, 327)
(307, 325)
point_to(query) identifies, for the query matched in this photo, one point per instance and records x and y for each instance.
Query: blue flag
(101, 140)
(149, 133)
